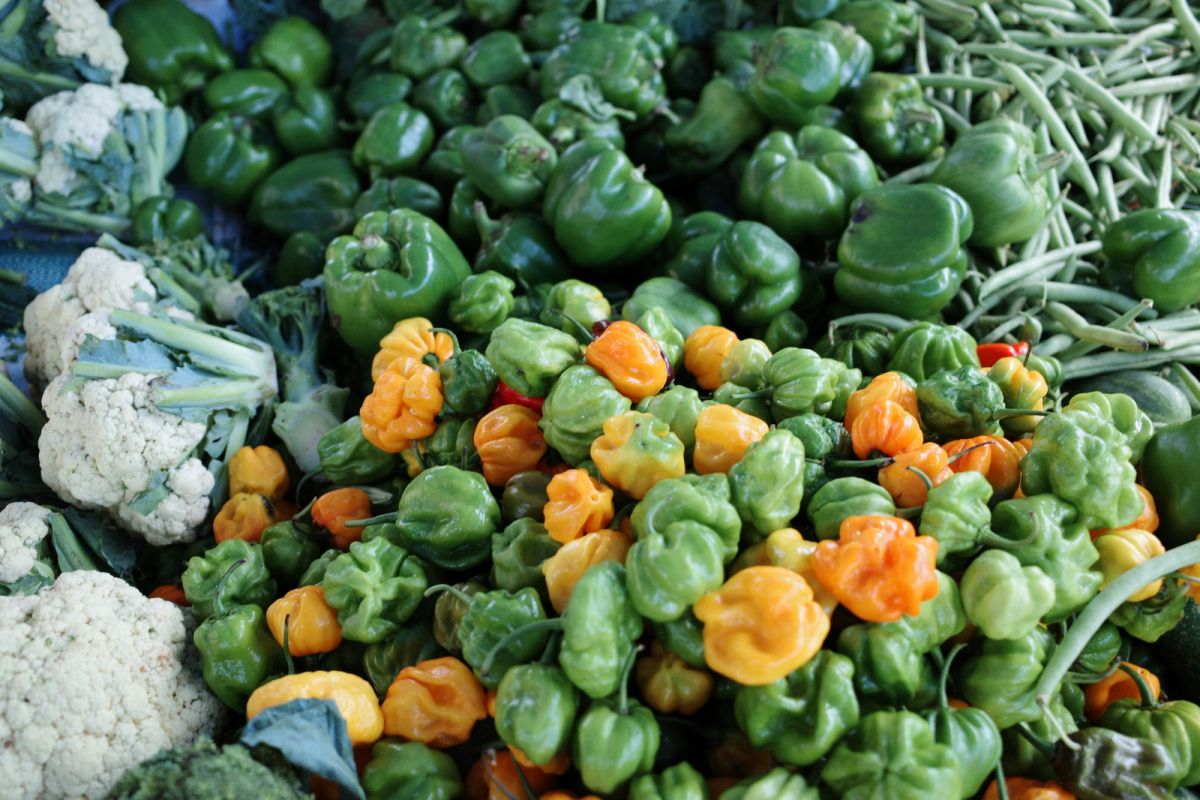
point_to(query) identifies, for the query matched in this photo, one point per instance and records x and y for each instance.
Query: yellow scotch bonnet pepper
(637, 451)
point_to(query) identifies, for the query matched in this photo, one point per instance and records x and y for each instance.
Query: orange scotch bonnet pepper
(436, 702)
(259, 470)
(906, 487)
(334, 509)
(887, 428)
(722, 435)
(410, 340)
(244, 516)
(564, 569)
(704, 351)
(312, 626)
(893, 386)
(630, 358)
(509, 441)
(995, 457)
(1098, 696)
(354, 697)
(578, 504)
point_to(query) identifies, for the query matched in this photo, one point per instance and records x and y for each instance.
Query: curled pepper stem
(304, 479)
(989, 442)
(1101, 607)
(943, 699)
(219, 595)
(1145, 693)
(580, 328)
(287, 648)
(438, 588)
(1039, 745)
(920, 473)
(626, 668)
(382, 519)
(540, 625)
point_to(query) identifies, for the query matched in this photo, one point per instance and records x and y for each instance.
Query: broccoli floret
(204, 771)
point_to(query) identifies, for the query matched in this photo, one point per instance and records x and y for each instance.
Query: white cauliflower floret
(104, 442)
(22, 527)
(84, 30)
(93, 324)
(94, 679)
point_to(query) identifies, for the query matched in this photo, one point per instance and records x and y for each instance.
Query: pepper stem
(920, 473)
(382, 519)
(943, 700)
(580, 328)
(623, 692)
(1048, 162)
(755, 395)
(960, 454)
(870, 463)
(486, 226)
(219, 596)
(287, 648)
(1043, 748)
(1144, 691)
(540, 625)
(1001, 782)
(453, 340)
(445, 587)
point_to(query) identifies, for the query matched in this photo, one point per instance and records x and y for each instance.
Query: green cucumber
(1162, 400)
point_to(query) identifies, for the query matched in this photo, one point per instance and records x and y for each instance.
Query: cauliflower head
(83, 31)
(22, 527)
(94, 678)
(105, 443)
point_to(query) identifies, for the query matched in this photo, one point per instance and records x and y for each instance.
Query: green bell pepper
(443, 166)
(301, 257)
(994, 167)
(172, 49)
(500, 631)
(413, 644)
(372, 91)
(600, 627)
(1003, 598)
(230, 156)
(165, 218)
(447, 99)
(903, 250)
(603, 211)
(687, 309)
(410, 771)
(530, 357)
(518, 552)
(971, 736)
(680, 782)
(542, 31)
(894, 123)
(959, 403)
(801, 382)
(802, 185)
(287, 552)
(1165, 469)
(394, 141)
(496, 58)
(687, 72)
(956, 513)
(315, 192)
(252, 93)
(679, 407)
(1096, 762)
(856, 54)
(296, 50)
(801, 717)
(657, 323)
(926, 348)
(575, 410)
(787, 329)
(524, 497)
(690, 244)
(623, 61)
(861, 348)
(803, 12)
(237, 651)
(724, 120)
(385, 194)
(468, 381)
(889, 26)
(492, 13)
(668, 570)
(448, 612)
(753, 273)
(778, 784)
(893, 754)
(703, 499)
(375, 588)
(535, 710)
(507, 99)
(1001, 677)
(419, 49)
(615, 740)
(306, 122)
(465, 200)
(796, 70)
(573, 307)
(482, 301)
(447, 516)
(248, 584)
(520, 246)
(1154, 252)
(348, 458)
(768, 483)
(395, 265)
(846, 497)
(578, 114)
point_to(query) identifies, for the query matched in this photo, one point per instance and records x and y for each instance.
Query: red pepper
(506, 395)
(990, 353)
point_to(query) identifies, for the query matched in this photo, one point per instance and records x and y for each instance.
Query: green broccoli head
(204, 771)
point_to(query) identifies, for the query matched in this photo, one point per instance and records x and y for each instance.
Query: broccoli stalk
(290, 321)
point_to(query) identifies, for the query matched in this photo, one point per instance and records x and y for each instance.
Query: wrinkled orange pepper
(878, 567)
(244, 516)
(564, 569)
(436, 702)
(509, 441)
(630, 358)
(704, 351)
(893, 386)
(995, 457)
(258, 470)
(334, 509)
(559, 765)
(722, 435)
(172, 593)
(312, 626)
(403, 406)
(354, 697)
(907, 487)
(497, 776)
(410, 340)
(885, 427)
(670, 685)
(760, 625)
(788, 549)
(1100, 695)
(1028, 789)
(578, 504)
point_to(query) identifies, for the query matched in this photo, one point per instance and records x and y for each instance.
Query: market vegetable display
(563, 400)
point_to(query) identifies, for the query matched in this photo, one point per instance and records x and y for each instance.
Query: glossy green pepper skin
(573, 305)
(684, 637)
(797, 69)
(724, 120)
(788, 329)
(1165, 465)
(821, 438)
(744, 363)
(1174, 724)
(956, 513)
(447, 98)
(348, 458)
(1151, 619)
(530, 357)
(615, 741)
(564, 123)
(861, 348)
(482, 302)
(493, 13)
(252, 93)
(895, 124)
(460, 215)
(444, 165)
(542, 31)
(418, 49)
(623, 61)
(371, 92)
(1155, 252)
(410, 771)
(396, 265)
(801, 382)
(238, 653)
(375, 588)
(803, 185)
(658, 324)
(448, 612)
(959, 403)
(893, 754)
(495, 58)
(171, 48)
(856, 54)
(296, 50)
(846, 497)
(679, 407)
(801, 717)
(230, 156)
(703, 499)
(520, 246)
(680, 782)
(1124, 414)
(603, 211)
(386, 194)
(492, 616)
(306, 122)
(453, 443)
(575, 410)
(994, 167)
(248, 584)
(413, 644)
(159, 218)
(1003, 598)
(768, 483)
(468, 381)
(903, 251)
(1000, 678)
(1104, 763)
(687, 308)
(753, 273)
(926, 348)
(314, 193)
(535, 710)
(1100, 650)
(971, 736)
(600, 627)
(395, 140)
(668, 570)
(518, 552)
(287, 552)
(889, 26)
(524, 497)
(691, 243)
(778, 784)
(447, 516)
(509, 99)
(803, 12)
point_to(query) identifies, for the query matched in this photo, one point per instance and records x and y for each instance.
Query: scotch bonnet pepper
(893, 754)
(636, 451)
(768, 483)
(529, 356)
(600, 628)
(410, 771)
(535, 710)
(375, 588)
(577, 407)
(926, 348)
(447, 516)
